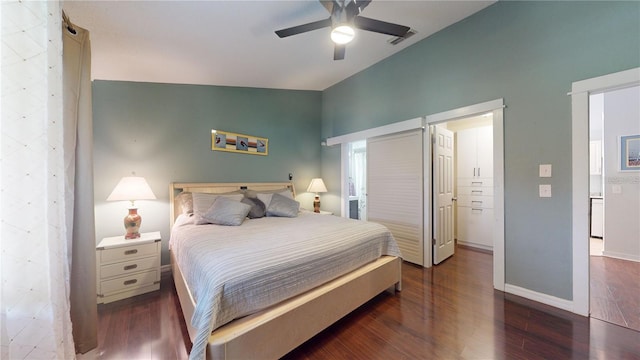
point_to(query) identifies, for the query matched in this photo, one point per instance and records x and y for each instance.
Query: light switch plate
(545, 190)
(545, 170)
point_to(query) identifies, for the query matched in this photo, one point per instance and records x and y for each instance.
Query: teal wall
(163, 133)
(528, 53)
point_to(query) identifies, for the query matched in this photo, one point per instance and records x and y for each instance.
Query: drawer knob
(131, 267)
(131, 282)
(131, 252)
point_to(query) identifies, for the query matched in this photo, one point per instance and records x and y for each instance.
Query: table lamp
(316, 186)
(132, 188)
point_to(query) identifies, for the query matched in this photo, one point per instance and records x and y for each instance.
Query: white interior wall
(596, 111)
(622, 189)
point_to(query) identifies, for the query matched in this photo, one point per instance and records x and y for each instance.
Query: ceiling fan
(345, 15)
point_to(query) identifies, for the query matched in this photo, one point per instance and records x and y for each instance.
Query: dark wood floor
(615, 291)
(447, 312)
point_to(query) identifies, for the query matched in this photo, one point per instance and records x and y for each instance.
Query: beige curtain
(78, 161)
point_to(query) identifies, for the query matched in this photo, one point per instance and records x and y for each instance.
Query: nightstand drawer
(128, 252)
(129, 282)
(128, 267)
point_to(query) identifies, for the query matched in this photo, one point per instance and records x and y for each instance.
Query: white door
(443, 217)
(484, 152)
(394, 189)
(467, 144)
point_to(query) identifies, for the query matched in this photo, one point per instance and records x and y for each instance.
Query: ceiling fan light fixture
(342, 34)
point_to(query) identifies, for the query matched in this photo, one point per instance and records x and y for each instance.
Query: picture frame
(239, 143)
(629, 153)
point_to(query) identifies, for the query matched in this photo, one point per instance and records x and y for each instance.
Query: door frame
(580, 91)
(496, 107)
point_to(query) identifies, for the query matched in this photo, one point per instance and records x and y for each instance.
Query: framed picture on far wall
(630, 153)
(239, 143)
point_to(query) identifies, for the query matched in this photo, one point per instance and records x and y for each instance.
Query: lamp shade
(317, 186)
(132, 188)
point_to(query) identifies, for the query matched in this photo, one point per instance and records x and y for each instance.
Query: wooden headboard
(218, 188)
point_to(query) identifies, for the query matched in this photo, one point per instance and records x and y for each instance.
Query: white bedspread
(233, 271)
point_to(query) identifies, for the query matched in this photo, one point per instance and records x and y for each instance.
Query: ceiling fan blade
(338, 52)
(304, 28)
(355, 7)
(381, 27)
(328, 4)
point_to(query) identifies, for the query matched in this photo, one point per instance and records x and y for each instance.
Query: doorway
(357, 180)
(494, 107)
(472, 186)
(580, 92)
(615, 206)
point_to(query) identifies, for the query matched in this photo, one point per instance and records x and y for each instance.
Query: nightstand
(128, 267)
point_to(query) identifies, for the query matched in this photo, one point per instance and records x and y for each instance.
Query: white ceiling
(232, 43)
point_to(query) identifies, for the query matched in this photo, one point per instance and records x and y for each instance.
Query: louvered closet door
(394, 189)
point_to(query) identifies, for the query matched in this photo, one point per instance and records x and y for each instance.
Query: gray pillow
(258, 209)
(202, 202)
(283, 206)
(225, 211)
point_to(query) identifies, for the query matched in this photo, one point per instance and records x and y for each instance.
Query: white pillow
(186, 202)
(225, 211)
(202, 202)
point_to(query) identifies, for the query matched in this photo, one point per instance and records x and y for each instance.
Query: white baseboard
(475, 245)
(539, 297)
(165, 268)
(621, 256)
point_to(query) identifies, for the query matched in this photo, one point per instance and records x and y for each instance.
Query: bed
(272, 324)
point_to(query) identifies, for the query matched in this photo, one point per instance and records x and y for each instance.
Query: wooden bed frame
(275, 331)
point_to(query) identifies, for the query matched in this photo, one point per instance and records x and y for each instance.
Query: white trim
(539, 297)
(344, 170)
(580, 91)
(427, 202)
(495, 106)
(165, 268)
(466, 111)
(498, 199)
(377, 131)
(580, 201)
(608, 82)
(621, 256)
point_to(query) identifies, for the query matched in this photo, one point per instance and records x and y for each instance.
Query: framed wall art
(239, 143)
(630, 153)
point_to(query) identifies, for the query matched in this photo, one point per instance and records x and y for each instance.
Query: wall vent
(398, 39)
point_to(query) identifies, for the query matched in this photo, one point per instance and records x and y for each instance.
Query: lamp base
(132, 224)
(316, 204)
